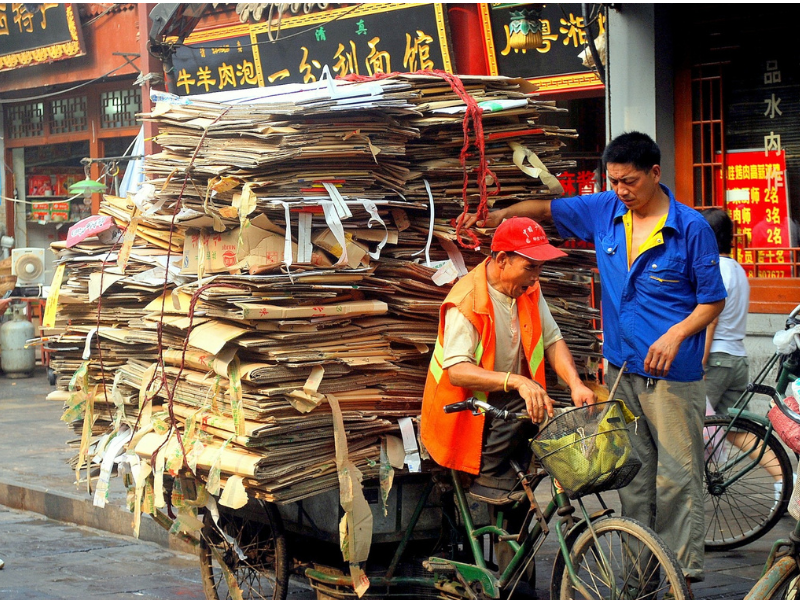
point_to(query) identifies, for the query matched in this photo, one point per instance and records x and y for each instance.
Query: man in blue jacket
(661, 287)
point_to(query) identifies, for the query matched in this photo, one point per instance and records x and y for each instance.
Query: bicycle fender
(764, 587)
(558, 564)
(750, 416)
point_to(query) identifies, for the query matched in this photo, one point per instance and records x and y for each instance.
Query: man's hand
(582, 395)
(536, 399)
(493, 219)
(664, 350)
(661, 354)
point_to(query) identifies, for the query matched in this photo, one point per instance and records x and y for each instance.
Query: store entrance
(47, 210)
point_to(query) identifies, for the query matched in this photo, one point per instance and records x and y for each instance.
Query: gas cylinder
(15, 359)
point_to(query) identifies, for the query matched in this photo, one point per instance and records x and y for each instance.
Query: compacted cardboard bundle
(264, 317)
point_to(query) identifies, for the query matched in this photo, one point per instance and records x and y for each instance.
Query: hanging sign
(363, 39)
(757, 201)
(89, 227)
(51, 32)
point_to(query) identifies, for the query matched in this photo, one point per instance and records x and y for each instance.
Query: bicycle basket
(588, 449)
(787, 430)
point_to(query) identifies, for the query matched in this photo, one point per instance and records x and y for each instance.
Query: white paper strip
(335, 225)
(304, 246)
(338, 201)
(87, 348)
(374, 216)
(410, 444)
(427, 248)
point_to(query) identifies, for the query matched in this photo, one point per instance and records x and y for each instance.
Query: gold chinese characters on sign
(28, 38)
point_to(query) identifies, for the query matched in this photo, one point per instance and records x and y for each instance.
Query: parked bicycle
(780, 579)
(748, 473)
(585, 451)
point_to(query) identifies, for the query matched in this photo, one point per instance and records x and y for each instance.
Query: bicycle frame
(525, 544)
(778, 565)
(738, 411)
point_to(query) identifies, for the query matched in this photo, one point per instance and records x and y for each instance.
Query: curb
(80, 511)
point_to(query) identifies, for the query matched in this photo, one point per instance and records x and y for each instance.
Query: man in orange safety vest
(495, 330)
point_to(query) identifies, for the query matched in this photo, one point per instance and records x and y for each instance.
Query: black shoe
(495, 496)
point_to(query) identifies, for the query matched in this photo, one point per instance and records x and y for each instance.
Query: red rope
(472, 120)
(164, 384)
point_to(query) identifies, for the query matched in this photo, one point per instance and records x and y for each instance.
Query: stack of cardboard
(270, 311)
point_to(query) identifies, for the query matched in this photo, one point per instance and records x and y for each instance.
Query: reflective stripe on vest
(537, 356)
(436, 361)
(438, 358)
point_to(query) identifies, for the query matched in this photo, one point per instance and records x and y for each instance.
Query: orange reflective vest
(455, 440)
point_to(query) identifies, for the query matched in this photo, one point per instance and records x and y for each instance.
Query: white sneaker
(778, 485)
(2, 564)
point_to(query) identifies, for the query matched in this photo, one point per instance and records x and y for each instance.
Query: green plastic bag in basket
(584, 459)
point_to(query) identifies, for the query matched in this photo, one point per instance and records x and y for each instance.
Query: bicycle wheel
(260, 567)
(747, 508)
(622, 560)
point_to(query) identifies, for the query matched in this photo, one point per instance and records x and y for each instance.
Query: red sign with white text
(757, 201)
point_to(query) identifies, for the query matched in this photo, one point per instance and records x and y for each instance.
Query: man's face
(518, 273)
(634, 187)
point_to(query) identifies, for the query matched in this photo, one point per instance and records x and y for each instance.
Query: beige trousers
(667, 493)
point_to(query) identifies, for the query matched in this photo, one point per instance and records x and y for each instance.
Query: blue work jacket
(664, 285)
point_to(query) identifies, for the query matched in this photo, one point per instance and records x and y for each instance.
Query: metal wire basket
(588, 449)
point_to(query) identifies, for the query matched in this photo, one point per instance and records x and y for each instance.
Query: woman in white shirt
(725, 358)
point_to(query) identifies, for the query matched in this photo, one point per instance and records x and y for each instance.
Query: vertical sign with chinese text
(757, 201)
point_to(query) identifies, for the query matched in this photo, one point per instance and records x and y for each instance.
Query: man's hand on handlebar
(536, 399)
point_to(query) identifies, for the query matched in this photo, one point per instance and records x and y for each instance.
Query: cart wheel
(263, 573)
(51, 376)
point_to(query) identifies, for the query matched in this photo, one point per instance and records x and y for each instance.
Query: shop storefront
(70, 100)
(738, 137)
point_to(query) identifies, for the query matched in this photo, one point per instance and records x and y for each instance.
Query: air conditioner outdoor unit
(28, 265)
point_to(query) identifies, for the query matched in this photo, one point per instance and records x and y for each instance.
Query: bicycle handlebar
(795, 311)
(479, 406)
(760, 388)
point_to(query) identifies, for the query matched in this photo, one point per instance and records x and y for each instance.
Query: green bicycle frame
(781, 561)
(524, 545)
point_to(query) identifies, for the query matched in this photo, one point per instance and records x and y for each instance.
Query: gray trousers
(667, 493)
(504, 441)
(727, 377)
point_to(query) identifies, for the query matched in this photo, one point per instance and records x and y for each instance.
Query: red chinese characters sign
(757, 201)
(577, 183)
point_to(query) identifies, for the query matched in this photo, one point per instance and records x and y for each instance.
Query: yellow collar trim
(654, 239)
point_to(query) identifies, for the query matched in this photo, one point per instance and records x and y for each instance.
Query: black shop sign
(33, 34)
(362, 39)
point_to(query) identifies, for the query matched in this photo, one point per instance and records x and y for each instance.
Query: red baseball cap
(525, 237)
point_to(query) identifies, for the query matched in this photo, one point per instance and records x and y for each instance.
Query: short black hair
(633, 148)
(722, 225)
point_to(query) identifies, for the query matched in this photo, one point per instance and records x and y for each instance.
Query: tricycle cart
(432, 541)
